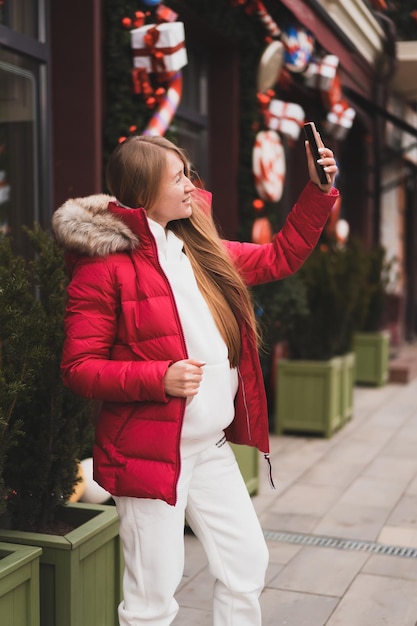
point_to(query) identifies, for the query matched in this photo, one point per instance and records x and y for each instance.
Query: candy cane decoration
(270, 25)
(256, 7)
(162, 117)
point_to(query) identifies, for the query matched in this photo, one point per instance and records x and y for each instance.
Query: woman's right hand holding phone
(319, 154)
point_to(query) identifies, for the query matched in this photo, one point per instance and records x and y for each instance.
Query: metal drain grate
(340, 544)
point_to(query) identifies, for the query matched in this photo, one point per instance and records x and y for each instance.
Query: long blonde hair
(134, 173)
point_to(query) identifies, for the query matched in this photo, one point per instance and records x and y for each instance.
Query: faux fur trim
(85, 225)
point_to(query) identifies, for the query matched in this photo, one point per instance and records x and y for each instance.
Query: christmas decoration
(271, 26)
(159, 53)
(285, 117)
(262, 230)
(334, 94)
(268, 165)
(342, 231)
(159, 48)
(299, 45)
(168, 104)
(321, 73)
(256, 7)
(258, 204)
(165, 14)
(270, 66)
(340, 119)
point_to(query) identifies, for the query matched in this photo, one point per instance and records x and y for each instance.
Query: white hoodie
(209, 412)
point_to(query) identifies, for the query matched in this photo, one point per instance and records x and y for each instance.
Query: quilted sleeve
(291, 245)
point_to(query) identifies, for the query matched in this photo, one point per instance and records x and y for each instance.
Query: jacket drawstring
(267, 458)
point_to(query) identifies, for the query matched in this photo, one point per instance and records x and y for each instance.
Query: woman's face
(174, 198)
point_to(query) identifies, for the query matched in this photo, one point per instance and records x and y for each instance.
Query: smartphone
(311, 136)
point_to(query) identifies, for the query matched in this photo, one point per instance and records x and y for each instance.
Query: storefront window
(19, 149)
(21, 16)
(190, 127)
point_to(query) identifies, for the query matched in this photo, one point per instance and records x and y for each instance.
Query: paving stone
(377, 601)
(288, 608)
(282, 553)
(412, 488)
(404, 513)
(353, 522)
(392, 469)
(373, 491)
(299, 498)
(198, 591)
(289, 522)
(398, 536)
(322, 571)
(391, 566)
(331, 472)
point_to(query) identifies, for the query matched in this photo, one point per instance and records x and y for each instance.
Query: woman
(160, 328)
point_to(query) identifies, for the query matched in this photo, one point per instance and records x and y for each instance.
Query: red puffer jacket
(123, 332)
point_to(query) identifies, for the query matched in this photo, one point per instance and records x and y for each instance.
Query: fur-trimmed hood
(87, 226)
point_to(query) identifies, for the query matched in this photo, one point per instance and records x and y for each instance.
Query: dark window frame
(37, 50)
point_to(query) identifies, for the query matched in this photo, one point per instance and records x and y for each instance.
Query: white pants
(214, 497)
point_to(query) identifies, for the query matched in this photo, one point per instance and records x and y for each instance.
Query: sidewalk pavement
(341, 526)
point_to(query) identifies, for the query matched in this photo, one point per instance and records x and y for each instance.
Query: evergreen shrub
(43, 425)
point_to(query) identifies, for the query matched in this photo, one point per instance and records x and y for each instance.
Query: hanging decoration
(159, 54)
(168, 101)
(299, 45)
(159, 48)
(289, 51)
(340, 119)
(270, 66)
(333, 94)
(321, 73)
(262, 230)
(256, 7)
(268, 164)
(285, 117)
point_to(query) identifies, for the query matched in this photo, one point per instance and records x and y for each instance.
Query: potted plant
(277, 305)
(315, 384)
(44, 429)
(371, 342)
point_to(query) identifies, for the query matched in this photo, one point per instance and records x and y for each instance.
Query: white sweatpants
(214, 497)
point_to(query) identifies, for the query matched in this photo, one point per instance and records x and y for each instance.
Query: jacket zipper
(245, 403)
(267, 456)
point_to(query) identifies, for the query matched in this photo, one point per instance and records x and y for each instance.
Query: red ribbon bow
(157, 55)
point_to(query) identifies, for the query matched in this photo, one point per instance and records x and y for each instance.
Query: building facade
(67, 96)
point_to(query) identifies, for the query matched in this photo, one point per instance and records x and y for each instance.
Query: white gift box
(159, 47)
(321, 74)
(285, 117)
(340, 119)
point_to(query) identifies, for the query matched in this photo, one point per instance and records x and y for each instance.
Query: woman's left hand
(327, 160)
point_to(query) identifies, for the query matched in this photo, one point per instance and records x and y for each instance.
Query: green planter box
(19, 585)
(309, 396)
(348, 385)
(248, 461)
(80, 572)
(372, 354)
